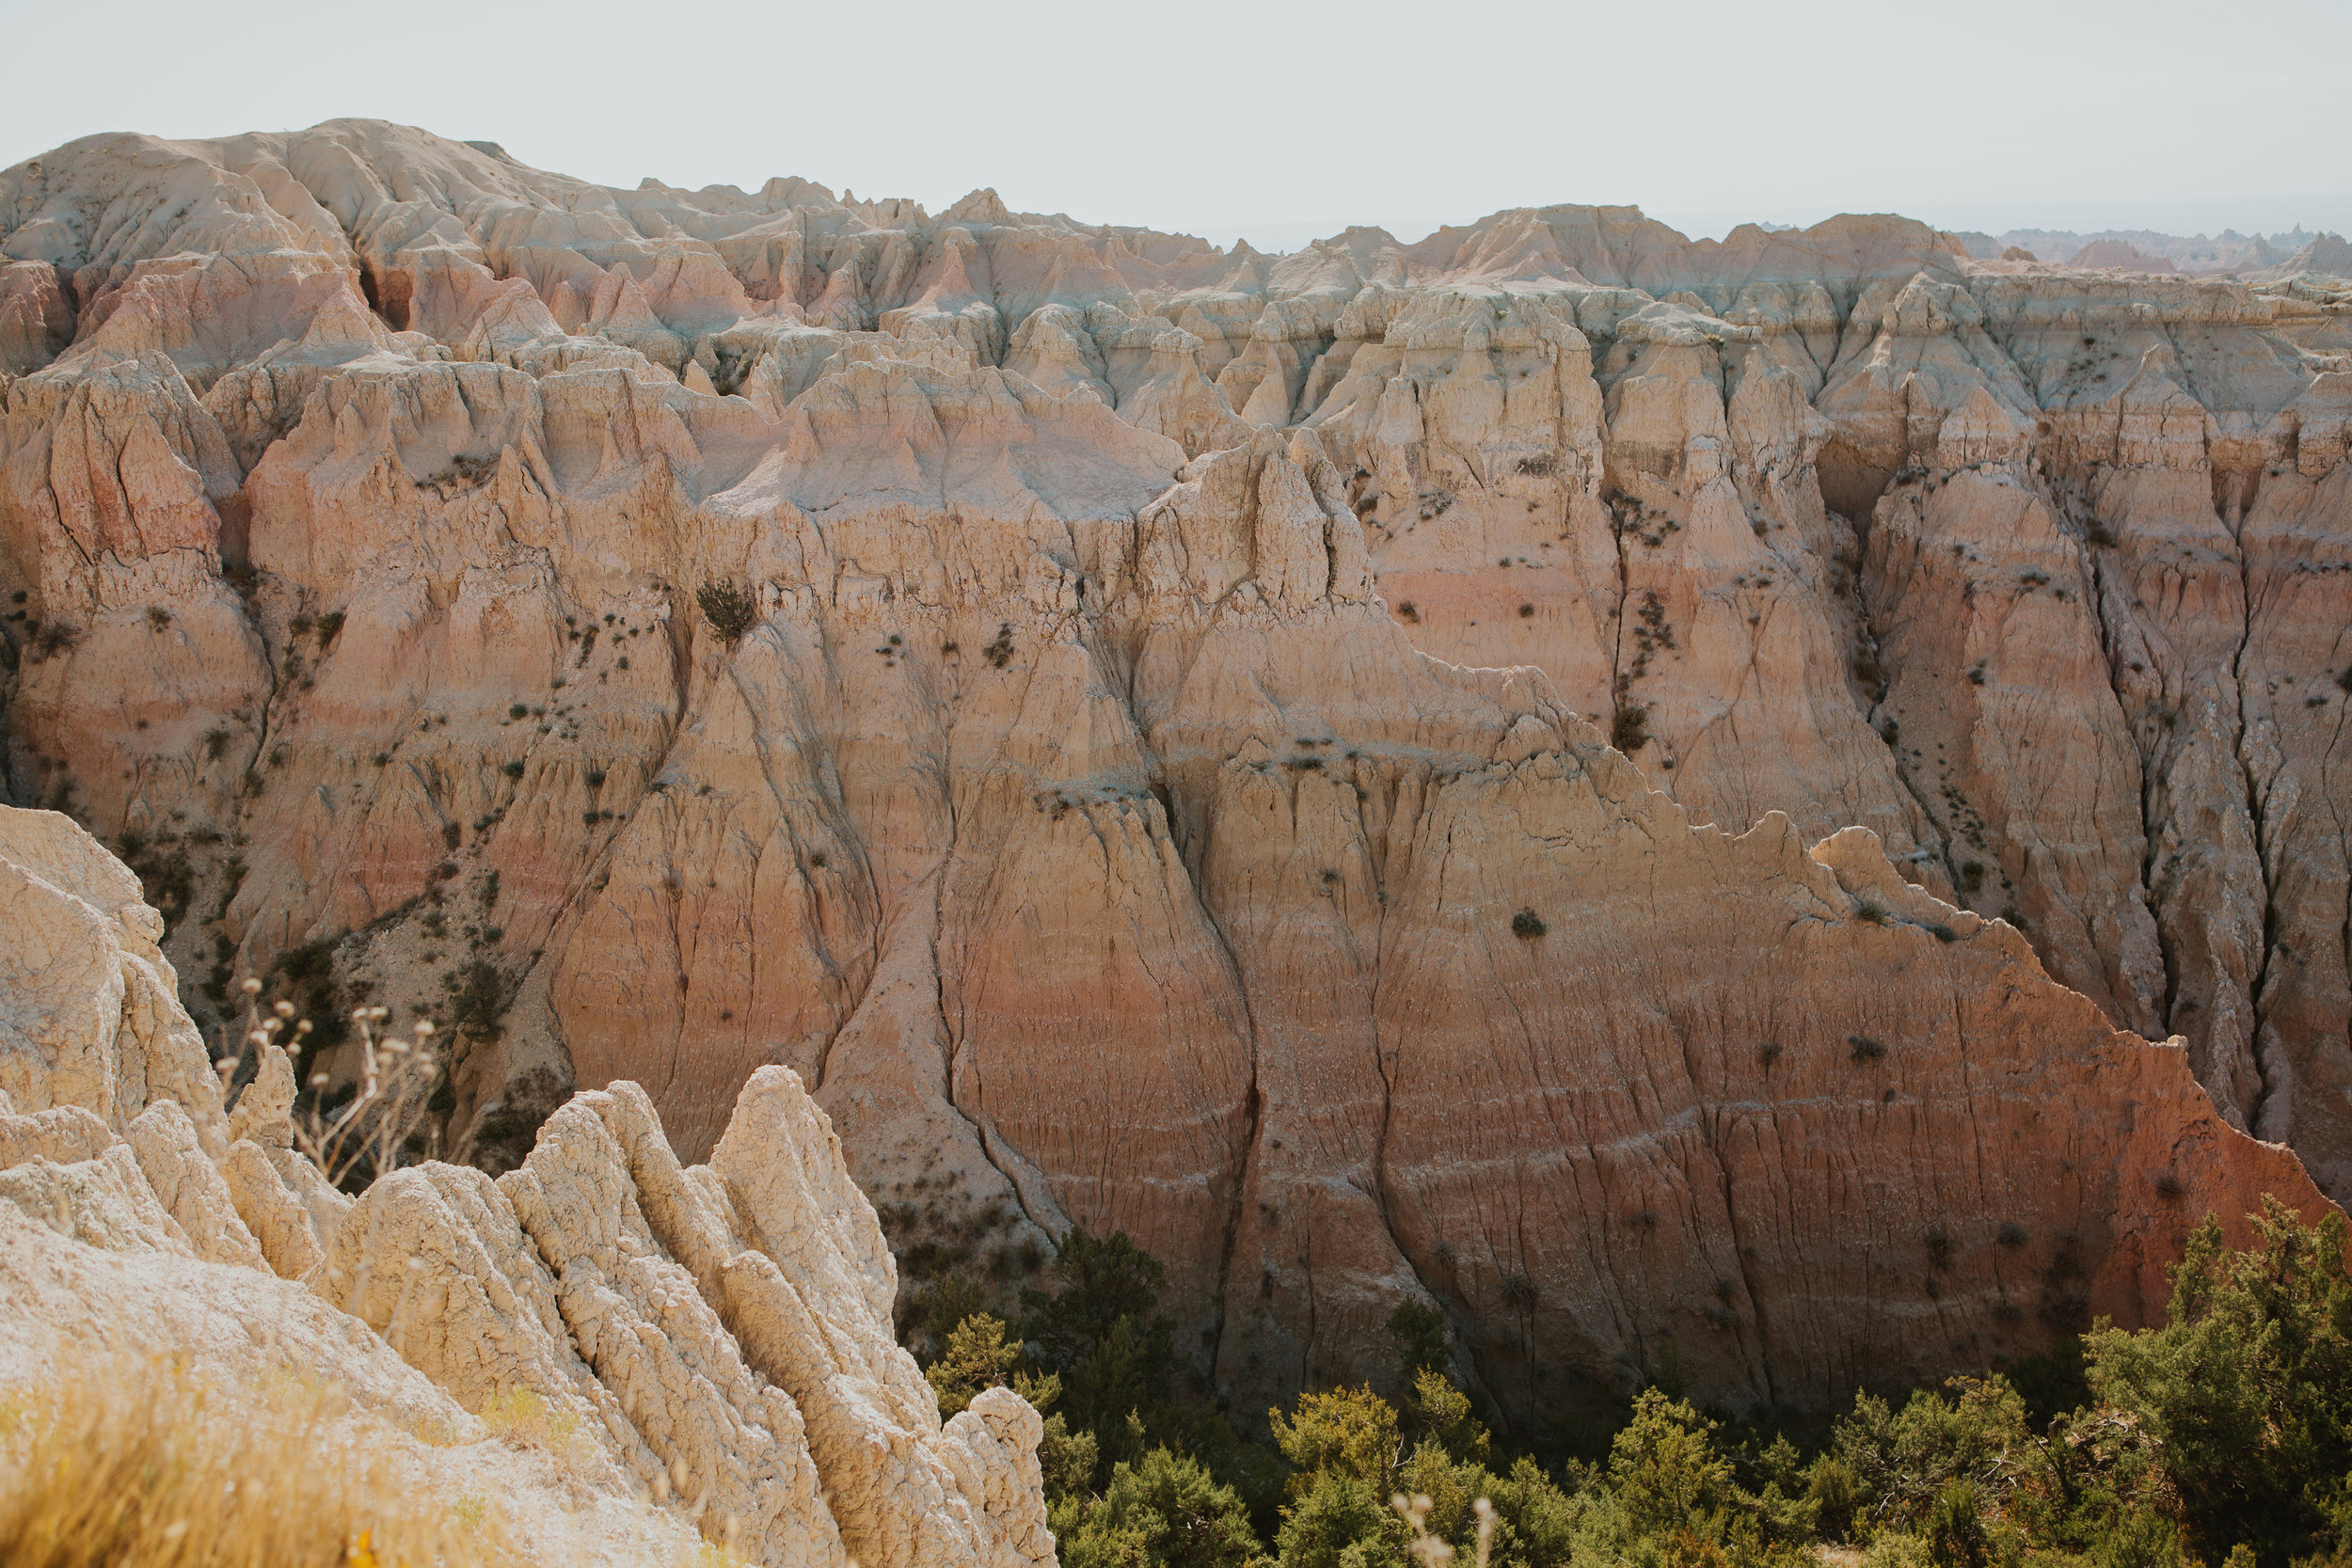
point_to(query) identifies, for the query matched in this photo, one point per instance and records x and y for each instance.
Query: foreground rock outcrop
(1615, 783)
(716, 1337)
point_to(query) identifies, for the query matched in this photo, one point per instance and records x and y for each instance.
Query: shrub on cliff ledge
(974, 1358)
(729, 609)
(55, 637)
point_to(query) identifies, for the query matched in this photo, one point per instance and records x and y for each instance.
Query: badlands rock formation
(1309, 759)
(2253, 257)
(717, 1336)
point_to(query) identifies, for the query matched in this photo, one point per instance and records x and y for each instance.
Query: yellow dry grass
(524, 1419)
(122, 1461)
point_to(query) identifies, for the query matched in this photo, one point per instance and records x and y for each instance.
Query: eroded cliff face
(1167, 676)
(710, 1346)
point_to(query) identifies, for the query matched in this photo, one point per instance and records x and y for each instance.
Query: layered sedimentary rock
(669, 1325)
(1097, 709)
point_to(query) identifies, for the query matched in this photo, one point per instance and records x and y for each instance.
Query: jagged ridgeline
(601, 1356)
(1650, 795)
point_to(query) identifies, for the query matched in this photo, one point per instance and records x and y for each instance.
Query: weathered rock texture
(1157, 693)
(669, 1325)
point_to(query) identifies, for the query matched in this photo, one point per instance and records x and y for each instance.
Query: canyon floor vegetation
(2223, 1437)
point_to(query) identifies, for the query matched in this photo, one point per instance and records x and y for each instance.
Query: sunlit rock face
(708, 1348)
(1654, 793)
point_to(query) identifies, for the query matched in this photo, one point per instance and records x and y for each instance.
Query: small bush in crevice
(478, 999)
(1864, 1048)
(730, 611)
(55, 637)
(1628, 731)
(1527, 926)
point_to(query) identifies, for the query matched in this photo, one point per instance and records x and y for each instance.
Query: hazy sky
(1281, 118)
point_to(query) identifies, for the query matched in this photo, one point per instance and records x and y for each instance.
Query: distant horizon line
(2179, 218)
(1295, 235)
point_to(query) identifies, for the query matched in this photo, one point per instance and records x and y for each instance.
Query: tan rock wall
(1161, 691)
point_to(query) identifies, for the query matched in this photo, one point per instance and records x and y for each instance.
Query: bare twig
(369, 1134)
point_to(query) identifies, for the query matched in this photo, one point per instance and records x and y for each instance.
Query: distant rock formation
(2327, 254)
(2254, 257)
(718, 1335)
(1650, 792)
(2119, 253)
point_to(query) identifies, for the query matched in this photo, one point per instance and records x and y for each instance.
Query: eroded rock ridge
(1155, 753)
(715, 1338)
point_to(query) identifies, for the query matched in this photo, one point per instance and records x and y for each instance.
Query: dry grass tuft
(524, 1420)
(128, 1461)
